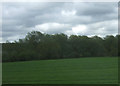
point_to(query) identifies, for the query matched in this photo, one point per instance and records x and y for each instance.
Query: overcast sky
(78, 18)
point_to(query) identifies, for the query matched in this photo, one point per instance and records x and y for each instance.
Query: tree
(37, 46)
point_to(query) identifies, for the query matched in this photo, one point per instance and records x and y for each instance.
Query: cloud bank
(79, 18)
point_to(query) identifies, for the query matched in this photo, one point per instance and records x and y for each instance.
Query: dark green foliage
(38, 46)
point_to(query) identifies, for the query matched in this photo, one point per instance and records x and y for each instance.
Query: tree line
(39, 46)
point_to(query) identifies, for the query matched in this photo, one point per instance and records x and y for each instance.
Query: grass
(102, 70)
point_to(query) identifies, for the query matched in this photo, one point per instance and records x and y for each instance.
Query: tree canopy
(39, 46)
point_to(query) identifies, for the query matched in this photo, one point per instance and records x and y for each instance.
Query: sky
(71, 18)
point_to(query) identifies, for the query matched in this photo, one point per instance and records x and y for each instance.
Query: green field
(102, 70)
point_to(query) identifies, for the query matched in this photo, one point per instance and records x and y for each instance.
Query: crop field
(103, 70)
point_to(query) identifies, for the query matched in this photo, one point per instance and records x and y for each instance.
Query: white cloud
(103, 28)
(68, 13)
(79, 29)
(52, 28)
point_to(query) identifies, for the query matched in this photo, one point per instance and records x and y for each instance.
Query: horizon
(68, 36)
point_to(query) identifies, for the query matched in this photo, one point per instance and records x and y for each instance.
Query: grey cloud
(20, 18)
(99, 11)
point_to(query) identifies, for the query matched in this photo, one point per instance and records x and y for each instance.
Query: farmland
(97, 70)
